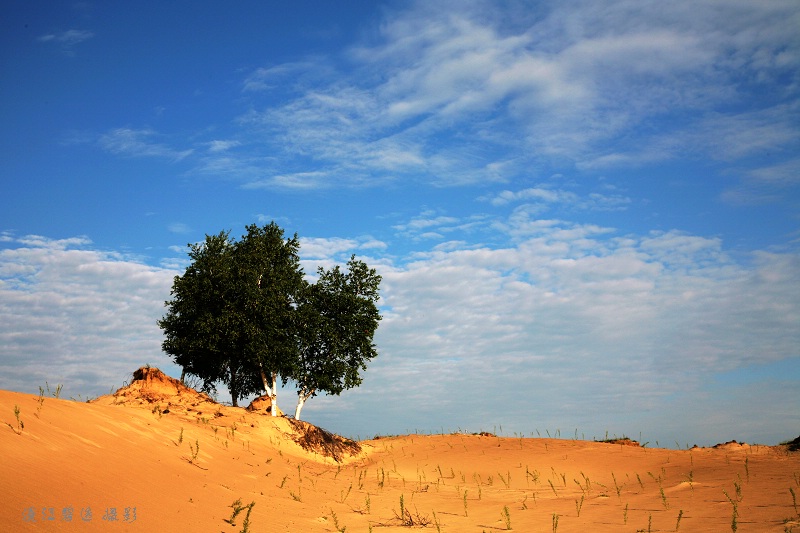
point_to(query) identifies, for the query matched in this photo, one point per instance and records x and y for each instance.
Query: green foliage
(507, 517)
(230, 312)
(340, 528)
(735, 515)
(20, 423)
(238, 508)
(40, 402)
(56, 393)
(242, 312)
(345, 494)
(408, 519)
(195, 450)
(337, 318)
(792, 445)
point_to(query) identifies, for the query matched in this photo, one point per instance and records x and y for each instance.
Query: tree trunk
(301, 401)
(234, 390)
(272, 392)
(274, 397)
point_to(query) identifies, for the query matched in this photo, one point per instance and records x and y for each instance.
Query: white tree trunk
(301, 401)
(272, 392)
(274, 396)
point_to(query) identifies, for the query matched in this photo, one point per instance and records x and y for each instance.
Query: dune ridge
(159, 456)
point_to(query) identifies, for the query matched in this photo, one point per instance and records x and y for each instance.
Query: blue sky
(586, 214)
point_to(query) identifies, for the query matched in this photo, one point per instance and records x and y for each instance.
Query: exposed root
(314, 439)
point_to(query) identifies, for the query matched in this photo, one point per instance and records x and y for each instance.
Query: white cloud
(545, 195)
(327, 252)
(222, 146)
(296, 180)
(77, 316)
(430, 225)
(423, 222)
(260, 78)
(765, 184)
(736, 136)
(566, 324)
(139, 143)
(68, 38)
(279, 76)
(179, 227)
(576, 323)
(319, 248)
(784, 174)
(445, 94)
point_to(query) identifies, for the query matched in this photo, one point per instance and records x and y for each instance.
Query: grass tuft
(340, 528)
(195, 451)
(507, 517)
(238, 508)
(20, 423)
(735, 516)
(407, 519)
(579, 505)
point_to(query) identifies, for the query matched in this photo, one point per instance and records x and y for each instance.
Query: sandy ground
(159, 457)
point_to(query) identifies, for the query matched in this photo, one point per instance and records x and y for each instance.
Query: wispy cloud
(218, 146)
(295, 74)
(139, 143)
(445, 95)
(765, 184)
(179, 227)
(67, 39)
(449, 96)
(430, 225)
(542, 198)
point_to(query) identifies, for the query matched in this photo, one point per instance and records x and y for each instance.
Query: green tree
(230, 316)
(337, 319)
(198, 313)
(243, 314)
(268, 282)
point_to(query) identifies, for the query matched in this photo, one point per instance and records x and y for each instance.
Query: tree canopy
(337, 320)
(244, 314)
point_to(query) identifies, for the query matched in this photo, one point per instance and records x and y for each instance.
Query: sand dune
(156, 456)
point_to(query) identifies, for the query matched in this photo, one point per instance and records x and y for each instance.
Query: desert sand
(157, 456)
